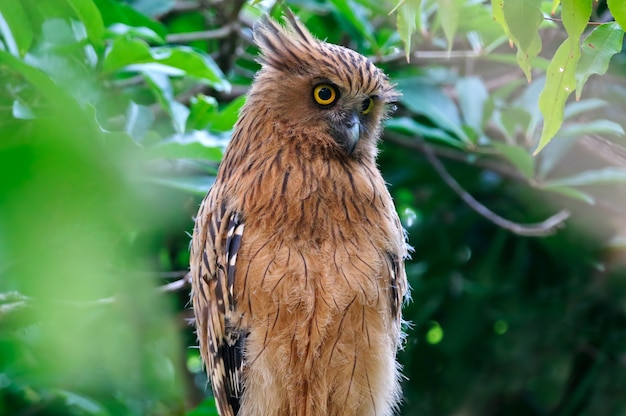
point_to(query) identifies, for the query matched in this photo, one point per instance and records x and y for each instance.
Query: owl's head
(328, 90)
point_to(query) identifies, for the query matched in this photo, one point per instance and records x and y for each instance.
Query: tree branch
(220, 33)
(540, 229)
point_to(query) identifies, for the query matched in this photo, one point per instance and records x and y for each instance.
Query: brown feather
(300, 313)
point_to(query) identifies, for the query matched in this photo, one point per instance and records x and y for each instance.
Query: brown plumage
(297, 253)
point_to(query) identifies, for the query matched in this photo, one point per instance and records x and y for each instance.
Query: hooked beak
(353, 132)
(347, 133)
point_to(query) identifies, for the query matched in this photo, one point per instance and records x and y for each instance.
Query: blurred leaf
(497, 11)
(203, 110)
(552, 154)
(195, 145)
(597, 50)
(44, 84)
(591, 177)
(115, 12)
(580, 107)
(160, 84)
(526, 58)
(407, 19)
(121, 29)
(22, 111)
(600, 127)
(139, 118)
(125, 52)
(449, 13)
(153, 7)
(410, 127)
(571, 193)
(206, 408)
(197, 185)
(519, 156)
(228, 115)
(357, 17)
(85, 404)
(472, 95)
(555, 5)
(15, 27)
(523, 18)
(511, 119)
(90, 16)
(618, 11)
(432, 103)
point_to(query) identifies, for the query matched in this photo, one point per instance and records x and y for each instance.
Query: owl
(297, 254)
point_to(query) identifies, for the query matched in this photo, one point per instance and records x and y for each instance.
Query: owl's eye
(324, 94)
(367, 105)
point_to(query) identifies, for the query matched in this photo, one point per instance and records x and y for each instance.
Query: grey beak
(352, 133)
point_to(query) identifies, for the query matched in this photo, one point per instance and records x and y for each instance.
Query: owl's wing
(398, 284)
(216, 240)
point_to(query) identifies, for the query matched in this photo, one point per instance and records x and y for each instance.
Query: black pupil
(366, 105)
(325, 94)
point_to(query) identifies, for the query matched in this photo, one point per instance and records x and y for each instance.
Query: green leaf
(526, 58)
(203, 110)
(497, 10)
(618, 11)
(139, 119)
(519, 156)
(21, 111)
(85, 404)
(472, 95)
(228, 115)
(195, 145)
(591, 177)
(15, 27)
(575, 15)
(356, 19)
(46, 86)
(115, 12)
(160, 84)
(523, 18)
(125, 52)
(88, 13)
(121, 30)
(597, 50)
(432, 103)
(560, 82)
(571, 193)
(600, 127)
(408, 16)
(579, 107)
(555, 5)
(410, 127)
(153, 8)
(206, 408)
(449, 13)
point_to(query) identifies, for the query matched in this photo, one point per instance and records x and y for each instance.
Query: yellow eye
(367, 106)
(324, 94)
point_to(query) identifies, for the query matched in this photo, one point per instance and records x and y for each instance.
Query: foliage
(115, 115)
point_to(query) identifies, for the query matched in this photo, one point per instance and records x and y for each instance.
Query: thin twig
(220, 33)
(176, 285)
(18, 301)
(540, 229)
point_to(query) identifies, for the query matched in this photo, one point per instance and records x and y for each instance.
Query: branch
(543, 228)
(18, 301)
(220, 33)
